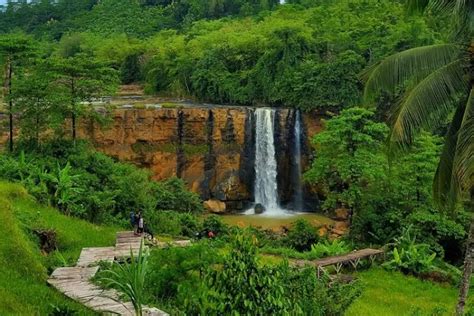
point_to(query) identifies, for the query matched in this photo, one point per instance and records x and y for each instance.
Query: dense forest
(391, 164)
(306, 55)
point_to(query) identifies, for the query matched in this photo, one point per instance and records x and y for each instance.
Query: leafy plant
(66, 189)
(242, 286)
(328, 248)
(409, 256)
(214, 224)
(302, 235)
(129, 278)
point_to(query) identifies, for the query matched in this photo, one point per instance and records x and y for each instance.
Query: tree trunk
(73, 110)
(10, 105)
(467, 271)
(73, 127)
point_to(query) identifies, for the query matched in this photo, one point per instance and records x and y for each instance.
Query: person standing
(140, 224)
(132, 219)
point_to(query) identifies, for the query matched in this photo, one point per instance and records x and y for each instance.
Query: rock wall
(211, 148)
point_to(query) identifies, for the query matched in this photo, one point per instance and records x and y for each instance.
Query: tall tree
(14, 48)
(441, 79)
(82, 79)
(38, 102)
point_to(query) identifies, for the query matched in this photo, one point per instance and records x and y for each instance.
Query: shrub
(302, 235)
(243, 286)
(164, 222)
(316, 296)
(190, 225)
(171, 267)
(409, 256)
(90, 185)
(328, 248)
(215, 224)
(172, 194)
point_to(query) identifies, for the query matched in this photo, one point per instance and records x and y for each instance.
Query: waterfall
(266, 189)
(298, 190)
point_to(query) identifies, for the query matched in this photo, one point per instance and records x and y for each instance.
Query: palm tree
(440, 81)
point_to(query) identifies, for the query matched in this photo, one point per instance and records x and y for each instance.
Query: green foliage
(409, 256)
(90, 185)
(294, 56)
(322, 249)
(175, 270)
(173, 223)
(351, 170)
(172, 194)
(80, 79)
(23, 287)
(392, 293)
(129, 278)
(214, 224)
(316, 296)
(130, 71)
(349, 157)
(302, 235)
(328, 248)
(243, 287)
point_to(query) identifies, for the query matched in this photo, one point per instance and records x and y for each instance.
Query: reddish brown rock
(341, 214)
(215, 206)
(209, 150)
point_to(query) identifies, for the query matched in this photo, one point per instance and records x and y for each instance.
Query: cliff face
(212, 149)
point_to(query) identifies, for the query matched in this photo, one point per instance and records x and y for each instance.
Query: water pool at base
(274, 222)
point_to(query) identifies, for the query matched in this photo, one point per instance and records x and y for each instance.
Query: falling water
(298, 191)
(266, 190)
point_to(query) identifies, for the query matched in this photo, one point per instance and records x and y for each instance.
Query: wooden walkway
(338, 262)
(75, 282)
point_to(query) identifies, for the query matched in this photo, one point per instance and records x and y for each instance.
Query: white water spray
(266, 188)
(298, 193)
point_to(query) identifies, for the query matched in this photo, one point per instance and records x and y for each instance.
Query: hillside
(23, 288)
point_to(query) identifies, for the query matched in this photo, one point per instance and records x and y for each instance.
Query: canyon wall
(211, 148)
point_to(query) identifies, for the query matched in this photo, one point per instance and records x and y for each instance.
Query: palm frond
(464, 159)
(415, 63)
(443, 186)
(417, 5)
(427, 101)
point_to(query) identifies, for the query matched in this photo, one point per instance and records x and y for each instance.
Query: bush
(243, 286)
(302, 235)
(88, 184)
(164, 222)
(214, 224)
(328, 248)
(172, 267)
(172, 194)
(316, 296)
(409, 256)
(190, 225)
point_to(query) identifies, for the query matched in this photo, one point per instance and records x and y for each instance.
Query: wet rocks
(259, 208)
(215, 206)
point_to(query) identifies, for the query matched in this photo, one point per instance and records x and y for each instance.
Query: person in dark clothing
(148, 230)
(132, 219)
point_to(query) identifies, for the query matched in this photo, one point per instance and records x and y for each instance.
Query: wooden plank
(75, 283)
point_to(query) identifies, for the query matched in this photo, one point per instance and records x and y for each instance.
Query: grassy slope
(392, 293)
(23, 273)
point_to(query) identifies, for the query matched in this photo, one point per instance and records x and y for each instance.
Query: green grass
(169, 105)
(392, 293)
(24, 269)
